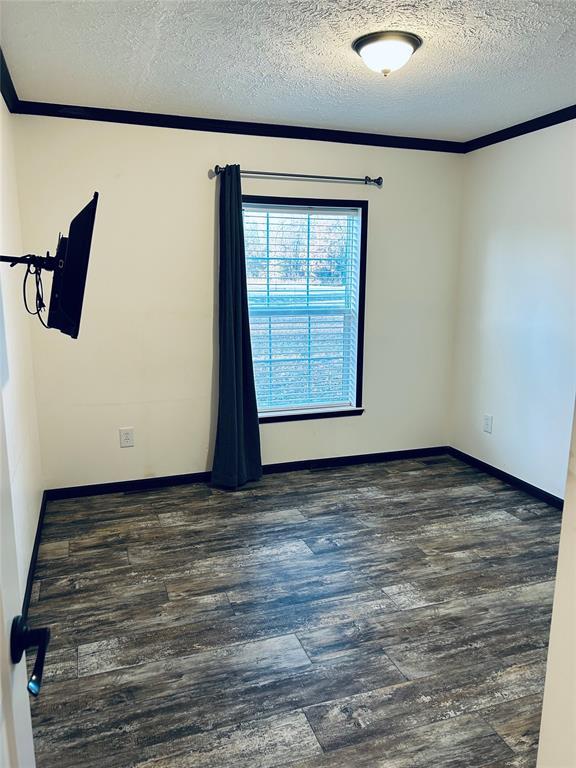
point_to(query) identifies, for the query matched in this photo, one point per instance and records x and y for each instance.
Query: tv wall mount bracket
(40, 262)
(34, 266)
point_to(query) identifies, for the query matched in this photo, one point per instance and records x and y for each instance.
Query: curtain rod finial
(379, 181)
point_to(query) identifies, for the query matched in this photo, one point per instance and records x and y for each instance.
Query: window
(305, 266)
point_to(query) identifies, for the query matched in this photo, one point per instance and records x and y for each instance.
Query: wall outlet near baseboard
(126, 437)
(487, 423)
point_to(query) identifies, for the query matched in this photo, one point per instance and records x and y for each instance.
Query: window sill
(306, 415)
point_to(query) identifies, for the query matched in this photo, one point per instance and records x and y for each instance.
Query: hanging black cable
(36, 272)
(34, 266)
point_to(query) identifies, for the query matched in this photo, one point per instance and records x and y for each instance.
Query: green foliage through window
(302, 268)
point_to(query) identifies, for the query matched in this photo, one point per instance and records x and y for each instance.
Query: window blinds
(303, 272)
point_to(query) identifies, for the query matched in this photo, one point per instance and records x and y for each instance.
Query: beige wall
(18, 389)
(558, 732)
(145, 356)
(515, 356)
(20, 477)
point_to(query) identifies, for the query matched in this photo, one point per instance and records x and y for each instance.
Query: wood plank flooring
(389, 615)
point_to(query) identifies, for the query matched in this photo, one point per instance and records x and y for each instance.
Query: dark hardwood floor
(386, 616)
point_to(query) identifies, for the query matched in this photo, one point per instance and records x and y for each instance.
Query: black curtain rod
(358, 179)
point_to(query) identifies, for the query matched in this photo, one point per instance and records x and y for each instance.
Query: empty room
(288, 375)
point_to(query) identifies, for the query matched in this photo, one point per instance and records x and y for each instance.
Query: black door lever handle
(22, 638)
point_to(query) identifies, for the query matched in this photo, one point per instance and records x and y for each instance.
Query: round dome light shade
(386, 51)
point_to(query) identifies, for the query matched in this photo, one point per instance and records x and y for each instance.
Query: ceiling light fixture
(386, 51)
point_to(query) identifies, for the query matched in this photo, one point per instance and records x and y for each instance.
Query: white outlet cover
(126, 437)
(487, 423)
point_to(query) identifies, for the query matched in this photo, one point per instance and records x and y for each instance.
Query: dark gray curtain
(237, 450)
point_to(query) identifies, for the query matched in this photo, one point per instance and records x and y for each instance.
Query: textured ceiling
(484, 65)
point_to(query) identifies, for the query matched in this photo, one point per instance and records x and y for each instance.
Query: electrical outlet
(487, 423)
(126, 437)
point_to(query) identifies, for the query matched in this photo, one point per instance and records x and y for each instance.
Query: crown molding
(7, 86)
(237, 127)
(182, 122)
(520, 129)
